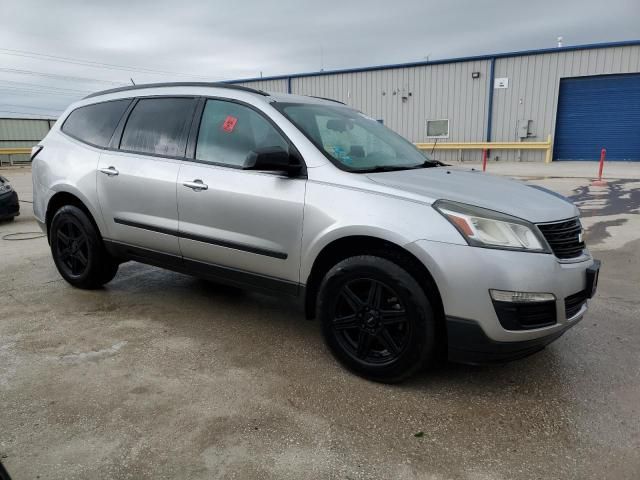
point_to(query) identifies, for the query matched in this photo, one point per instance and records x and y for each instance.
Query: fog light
(520, 297)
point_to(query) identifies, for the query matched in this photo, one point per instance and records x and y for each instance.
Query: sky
(54, 52)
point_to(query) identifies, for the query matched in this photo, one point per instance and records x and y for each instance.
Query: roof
(444, 61)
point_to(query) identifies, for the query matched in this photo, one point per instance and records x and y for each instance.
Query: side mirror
(273, 159)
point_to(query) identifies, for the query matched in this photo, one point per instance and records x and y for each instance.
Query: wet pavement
(160, 375)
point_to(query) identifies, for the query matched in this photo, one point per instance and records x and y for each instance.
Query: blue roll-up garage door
(598, 112)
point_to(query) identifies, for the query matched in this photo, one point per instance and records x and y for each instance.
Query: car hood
(501, 194)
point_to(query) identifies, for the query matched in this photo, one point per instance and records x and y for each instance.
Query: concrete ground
(160, 375)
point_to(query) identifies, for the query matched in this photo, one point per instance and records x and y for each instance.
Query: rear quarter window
(95, 124)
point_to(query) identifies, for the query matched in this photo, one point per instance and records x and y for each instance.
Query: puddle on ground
(597, 232)
(615, 198)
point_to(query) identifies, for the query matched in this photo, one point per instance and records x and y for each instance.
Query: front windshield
(352, 140)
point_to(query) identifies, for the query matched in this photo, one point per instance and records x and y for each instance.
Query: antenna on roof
(132, 82)
(560, 41)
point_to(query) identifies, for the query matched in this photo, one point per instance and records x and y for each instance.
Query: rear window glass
(96, 123)
(158, 126)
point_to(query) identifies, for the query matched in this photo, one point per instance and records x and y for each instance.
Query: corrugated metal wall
(275, 86)
(447, 91)
(534, 84)
(405, 98)
(22, 132)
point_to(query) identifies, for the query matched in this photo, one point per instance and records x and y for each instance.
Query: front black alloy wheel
(78, 251)
(376, 318)
(370, 321)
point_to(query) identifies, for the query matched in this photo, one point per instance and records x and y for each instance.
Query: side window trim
(117, 135)
(195, 130)
(117, 139)
(192, 140)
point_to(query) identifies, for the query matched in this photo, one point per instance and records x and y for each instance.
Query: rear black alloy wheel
(72, 247)
(78, 251)
(370, 322)
(376, 318)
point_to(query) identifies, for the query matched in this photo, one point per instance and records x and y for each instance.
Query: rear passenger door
(243, 225)
(136, 179)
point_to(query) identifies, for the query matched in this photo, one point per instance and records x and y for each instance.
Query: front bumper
(464, 275)
(9, 205)
(467, 343)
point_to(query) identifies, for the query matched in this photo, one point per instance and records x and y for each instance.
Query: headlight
(486, 228)
(4, 188)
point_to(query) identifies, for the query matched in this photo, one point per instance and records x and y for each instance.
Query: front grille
(525, 315)
(564, 237)
(573, 303)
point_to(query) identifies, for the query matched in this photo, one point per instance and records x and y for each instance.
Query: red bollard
(600, 182)
(603, 154)
(484, 159)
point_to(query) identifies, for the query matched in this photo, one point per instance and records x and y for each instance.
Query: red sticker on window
(229, 124)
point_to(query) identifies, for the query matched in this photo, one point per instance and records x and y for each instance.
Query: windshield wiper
(431, 164)
(395, 168)
(386, 168)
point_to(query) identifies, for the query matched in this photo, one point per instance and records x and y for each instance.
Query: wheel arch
(348, 246)
(62, 198)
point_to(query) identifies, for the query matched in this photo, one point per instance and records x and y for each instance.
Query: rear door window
(159, 126)
(95, 124)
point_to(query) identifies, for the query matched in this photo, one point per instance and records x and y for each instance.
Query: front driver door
(243, 225)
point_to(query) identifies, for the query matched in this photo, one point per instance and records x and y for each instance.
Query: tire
(376, 319)
(78, 251)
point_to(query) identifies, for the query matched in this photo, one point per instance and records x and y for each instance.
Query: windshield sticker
(229, 124)
(340, 153)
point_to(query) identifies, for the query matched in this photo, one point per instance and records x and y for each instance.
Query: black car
(9, 205)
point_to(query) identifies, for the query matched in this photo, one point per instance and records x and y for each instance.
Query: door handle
(111, 171)
(197, 185)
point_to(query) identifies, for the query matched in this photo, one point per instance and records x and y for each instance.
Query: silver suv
(403, 259)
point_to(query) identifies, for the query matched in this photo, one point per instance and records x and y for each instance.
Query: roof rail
(178, 84)
(327, 99)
